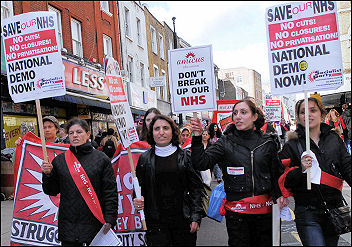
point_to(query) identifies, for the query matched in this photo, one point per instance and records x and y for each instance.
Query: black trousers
(249, 229)
(170, 236)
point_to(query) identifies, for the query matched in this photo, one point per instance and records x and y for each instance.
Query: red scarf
(84, 185)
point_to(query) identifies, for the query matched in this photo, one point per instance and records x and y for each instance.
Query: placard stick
(306, 117)
(137, 189)
(276, 225)
(41, 129)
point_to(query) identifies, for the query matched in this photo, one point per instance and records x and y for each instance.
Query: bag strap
(324, 202)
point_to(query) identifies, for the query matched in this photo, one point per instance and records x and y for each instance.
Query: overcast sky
(235, 29)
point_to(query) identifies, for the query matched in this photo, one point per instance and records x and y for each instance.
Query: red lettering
(193, 100)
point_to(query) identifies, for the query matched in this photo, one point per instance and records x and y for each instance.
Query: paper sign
(304, 47)
(108, 239)
(272, 108)
(33, 56)
(192, 81)
(120, 108)
(157, 81)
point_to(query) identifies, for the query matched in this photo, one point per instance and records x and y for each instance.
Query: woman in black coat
(171, 189)
(251, 168)
(76, 223)
(312, 224)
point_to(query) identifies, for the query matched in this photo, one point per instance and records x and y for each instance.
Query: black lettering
(141, 237)
(24, 224)
(14, 227)
(31, 230)
(41, 236)
(50, 234)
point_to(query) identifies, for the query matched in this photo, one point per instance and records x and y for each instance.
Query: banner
(120, 108)
(223, 114)
(33, 56)
(192, 81)
(129, 222)
(304, 47)
(272, 108)
(35, 214)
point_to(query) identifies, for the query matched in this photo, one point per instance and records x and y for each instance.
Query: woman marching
(171, 189)
(215, 134)
(335, 163)
(251, 168)
(80, 215)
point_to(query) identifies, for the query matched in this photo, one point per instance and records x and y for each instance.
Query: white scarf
(165, 151)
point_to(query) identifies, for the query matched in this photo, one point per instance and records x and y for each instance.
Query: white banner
(191, 77)
(304, 47)
(33, 56)
(120, 108)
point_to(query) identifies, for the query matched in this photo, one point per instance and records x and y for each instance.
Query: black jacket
(76, 222)
(254, 151)
(191, 182)
(333, 158)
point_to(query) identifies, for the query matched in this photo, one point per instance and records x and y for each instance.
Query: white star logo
(43, 201)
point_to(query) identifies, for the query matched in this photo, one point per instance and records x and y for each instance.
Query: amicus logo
(190, 58)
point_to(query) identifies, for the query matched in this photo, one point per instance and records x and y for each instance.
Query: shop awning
(83, 100)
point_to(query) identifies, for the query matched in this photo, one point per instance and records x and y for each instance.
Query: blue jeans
(313, 227)
(348, 145)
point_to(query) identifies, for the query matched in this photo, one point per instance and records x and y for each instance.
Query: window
(127, 23)
(239, 79)
(153, 36)
(139, 33)
(170, 44)
(130, 68)
(107, 45)
(76, 38)
(156, 73)
(164, 88)
(6, 9)
(104, 6)
(58, 15)
(161, 44)
(142, 75)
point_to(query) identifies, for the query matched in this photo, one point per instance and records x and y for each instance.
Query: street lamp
(180, 120)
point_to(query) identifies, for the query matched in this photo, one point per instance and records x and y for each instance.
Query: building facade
(88, 32)
(134, 58)
(248, 79)
(157, 55)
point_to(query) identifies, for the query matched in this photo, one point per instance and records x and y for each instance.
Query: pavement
(211, 233)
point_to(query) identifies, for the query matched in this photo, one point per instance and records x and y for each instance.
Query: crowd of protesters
(247, 157)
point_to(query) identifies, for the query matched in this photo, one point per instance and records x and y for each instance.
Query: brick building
(88, 31)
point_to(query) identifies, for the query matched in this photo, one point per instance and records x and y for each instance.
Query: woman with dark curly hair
(250, 165)
(171, 188)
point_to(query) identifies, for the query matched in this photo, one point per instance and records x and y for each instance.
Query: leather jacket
(191, 181)
(255, 157)
(333, 158)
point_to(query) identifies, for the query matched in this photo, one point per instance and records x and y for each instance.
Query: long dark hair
(212, 131)
(175, 140)
(319, 104)
(144, 132)
(254, 109)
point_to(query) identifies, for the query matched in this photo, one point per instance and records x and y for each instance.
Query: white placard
(108, 239)
(272, 108)
(33, 56)
(192, 81)
(304, 47)
(120, 108)
(157, 81)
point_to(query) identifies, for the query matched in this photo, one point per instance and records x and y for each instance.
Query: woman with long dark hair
(251, 168)
(334, 161)
(215, 134)
(148, 117)
(171, 188)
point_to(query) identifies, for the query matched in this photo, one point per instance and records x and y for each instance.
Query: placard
(304, 47)
(192, 81)
(33, 56)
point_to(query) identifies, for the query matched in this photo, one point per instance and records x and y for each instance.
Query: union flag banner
(35, 214)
